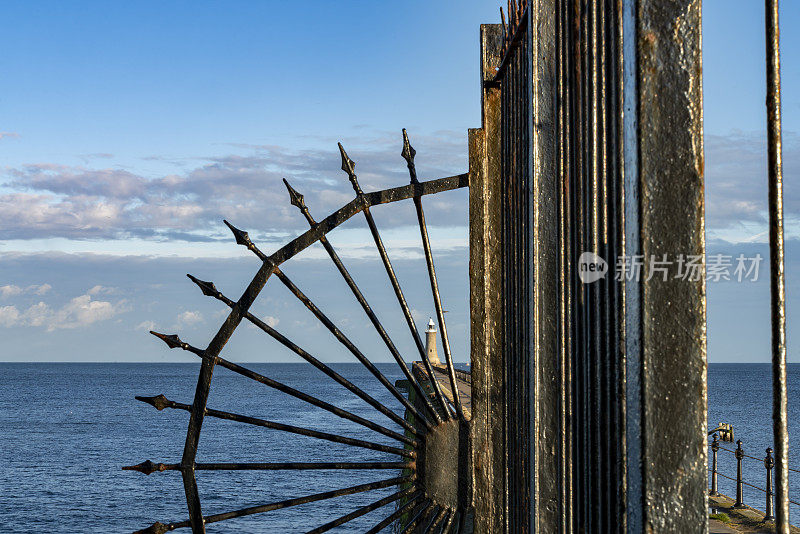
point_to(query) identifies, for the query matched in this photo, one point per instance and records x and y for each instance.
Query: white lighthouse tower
(430, 344)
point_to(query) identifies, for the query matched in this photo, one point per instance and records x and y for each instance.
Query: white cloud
(271, 321)
(37, 315)
(79, 312)
(9, 135)
(102, 290)
(39, 289)
(10, 291)
(189, 318)
(9, 316)
(83, 311)
(48, 200)
(146, 325)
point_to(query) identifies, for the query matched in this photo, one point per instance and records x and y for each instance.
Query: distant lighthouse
(430, 344)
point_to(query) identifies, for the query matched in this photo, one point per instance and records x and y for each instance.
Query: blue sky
(129, 130)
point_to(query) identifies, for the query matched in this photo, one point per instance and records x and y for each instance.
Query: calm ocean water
(741, 394)
(68, 428)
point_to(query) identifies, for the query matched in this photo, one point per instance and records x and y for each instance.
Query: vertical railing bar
(581, 172)
(769, 463)
(776, 256)
(562, 268)
(714, 451)
(437, 301)
(505, 319)
(409, 154)
(598, 499)
(297, 200)
(739, 486)
(348, 166)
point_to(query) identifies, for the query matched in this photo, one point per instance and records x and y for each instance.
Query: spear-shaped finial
(147, 467)
(172, 341)
(408, 154)
(208, 288)
(242, 238)
(159, 402)
(294, 197)
(503, 25)
(349, 166)
(297, 200)
(155, 528)
(240, 235)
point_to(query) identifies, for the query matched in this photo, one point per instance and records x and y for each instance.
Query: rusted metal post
(714, 450)
(769, 463)
(777, 284)
(664, 189)
(739, 485)
(488, 404)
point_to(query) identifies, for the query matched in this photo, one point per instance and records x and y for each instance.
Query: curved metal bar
(409, 506)
(202, 390)
(364, 510)
(363, 202)
(297, 200)
(160, 528)
(160, 402)
(147, 467)
(175, 341)
(351, 347)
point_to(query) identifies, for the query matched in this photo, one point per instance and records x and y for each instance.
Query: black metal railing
(768, 462)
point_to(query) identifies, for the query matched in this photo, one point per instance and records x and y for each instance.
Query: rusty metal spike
(159, 402)
(147, 467)
(408, 150)
(294, 197)
(503, 25)
(208, 288)
(349, 166)
(155, 528)
(172, 341)
(408, 154)
(515, 11)
(241, 236)
(510, 20)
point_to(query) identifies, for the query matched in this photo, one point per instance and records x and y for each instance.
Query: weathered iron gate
(430, 501)
(588, 409)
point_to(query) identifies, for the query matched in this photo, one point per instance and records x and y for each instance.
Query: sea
(66, 430)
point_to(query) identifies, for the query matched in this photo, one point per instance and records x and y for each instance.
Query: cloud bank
(47, 200)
